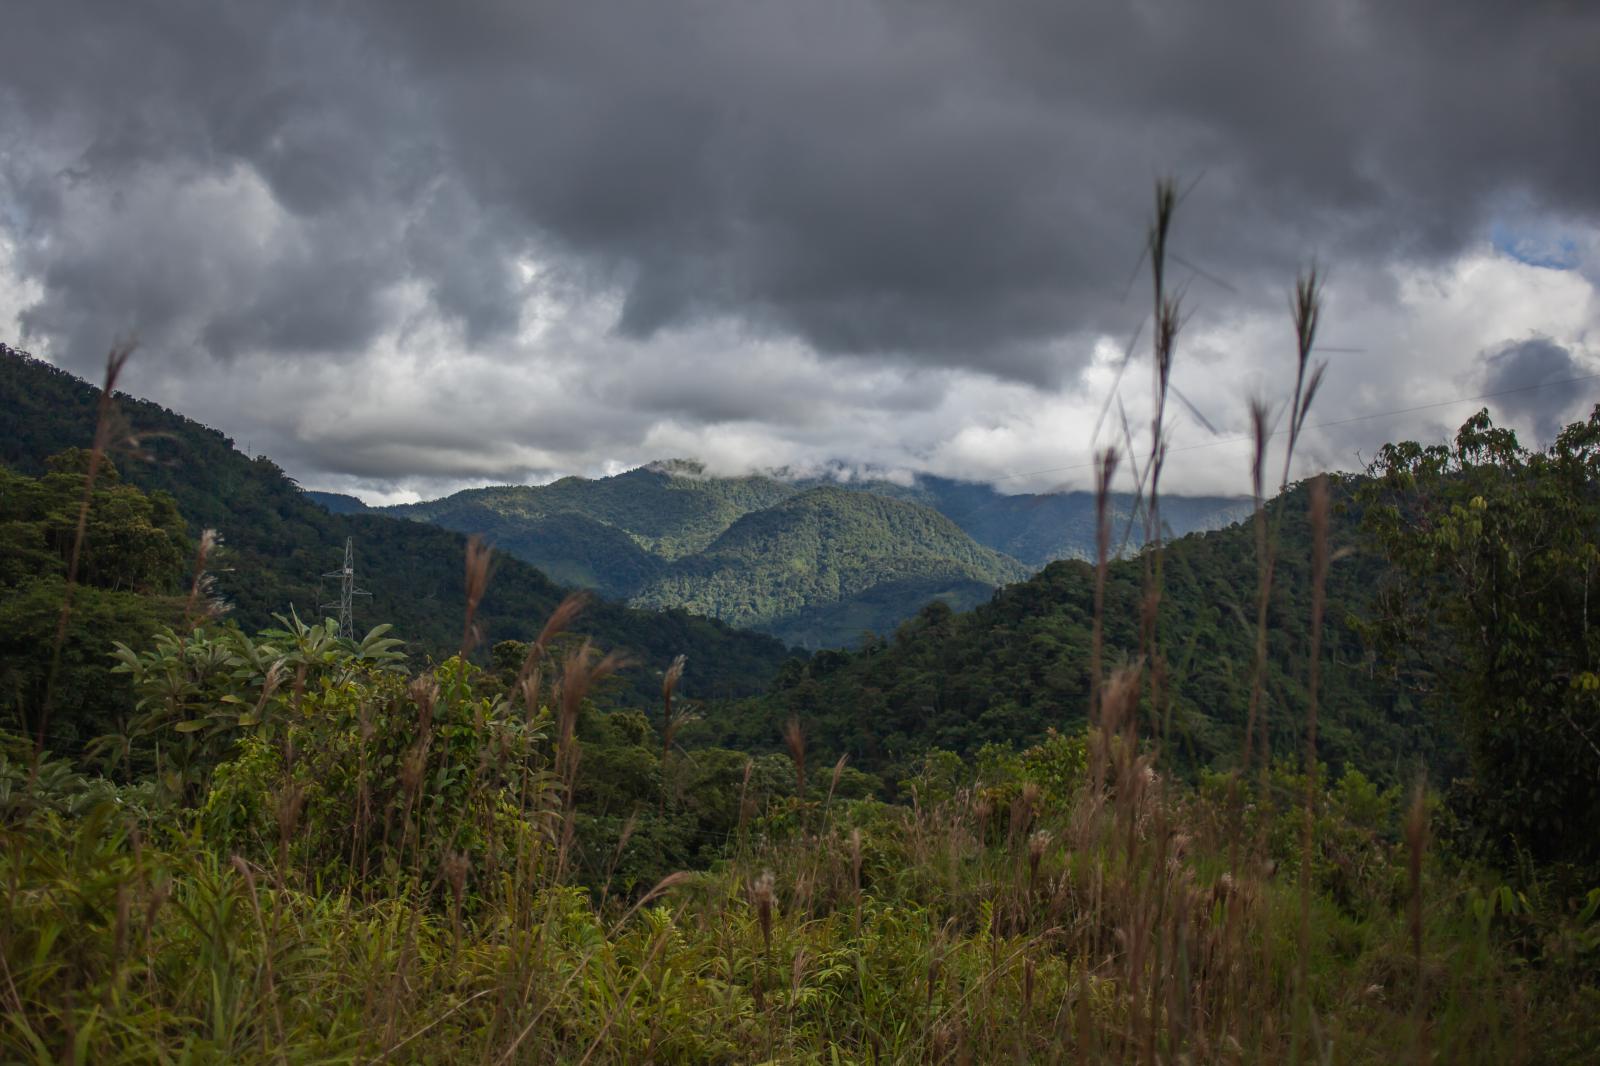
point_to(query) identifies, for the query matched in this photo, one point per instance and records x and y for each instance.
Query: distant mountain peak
(685, 468)
(337, 502)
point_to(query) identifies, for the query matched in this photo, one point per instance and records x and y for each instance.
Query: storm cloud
(1519, 376)
(497, 240)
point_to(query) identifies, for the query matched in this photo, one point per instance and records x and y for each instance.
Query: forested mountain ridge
(1019, 665)
(1038, 528)
(673, 508)
(337, 502)
(652, 536)
(277, 542)
(831, 548)
(811, 561)
(670, 509)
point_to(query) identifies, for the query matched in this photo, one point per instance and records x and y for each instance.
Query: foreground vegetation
(304, 849)
(395, 867)
(298, 847)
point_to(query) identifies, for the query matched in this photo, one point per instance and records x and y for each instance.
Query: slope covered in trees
(277, 542)
(1494, 553)
(669, 509)
(1013, 668)
(131, 568)
(1040, 528)
(814, 563)
(674, 508)
(832, 549)
(657, 535)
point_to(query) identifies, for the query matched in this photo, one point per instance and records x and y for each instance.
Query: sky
(406, 247)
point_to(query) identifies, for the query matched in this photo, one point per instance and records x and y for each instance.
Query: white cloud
(17, 290)
(419, 414)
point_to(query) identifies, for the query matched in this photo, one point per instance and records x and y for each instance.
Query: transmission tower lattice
(347, 590)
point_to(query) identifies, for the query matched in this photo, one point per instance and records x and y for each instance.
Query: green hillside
(1039, 528)
(337, 502)
(133, 567)
(669, 509)
(673, 508)
(277, 541)
(813, 562)
(1019, 665)
(824, 549)
(651, 535)
(570, 547)
(579, 551)
(882, 608)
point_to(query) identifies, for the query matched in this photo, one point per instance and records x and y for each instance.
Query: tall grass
(104, 427)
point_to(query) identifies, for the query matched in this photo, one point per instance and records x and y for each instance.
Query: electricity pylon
(347, 590)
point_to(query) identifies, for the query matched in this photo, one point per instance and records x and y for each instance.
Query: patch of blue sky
(1535, 246)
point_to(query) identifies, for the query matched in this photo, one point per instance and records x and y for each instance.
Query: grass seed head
(479, 556)
(794, 739)
(762, 898)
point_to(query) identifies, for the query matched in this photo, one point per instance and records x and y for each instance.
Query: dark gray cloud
(953, 180)
(1527, 379)
(900, 183)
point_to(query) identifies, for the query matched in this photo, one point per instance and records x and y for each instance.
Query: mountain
(337, 502)
(674, 508)
(1039, 528)
(1019, 664)
(278, 541)
(821, 566)
(811, 561)
(669, 509)
(653, 536)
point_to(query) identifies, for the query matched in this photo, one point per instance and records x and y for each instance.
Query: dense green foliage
(1040, 528)
(276, 542)
(756, 551)
(130, 572)
(812, 564)
(829, 548)
(1020, 664)
(669, 509)
(1495, 551)
(429, 868)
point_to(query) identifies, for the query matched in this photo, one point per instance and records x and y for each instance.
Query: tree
(1487, 609)
(132, 567)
